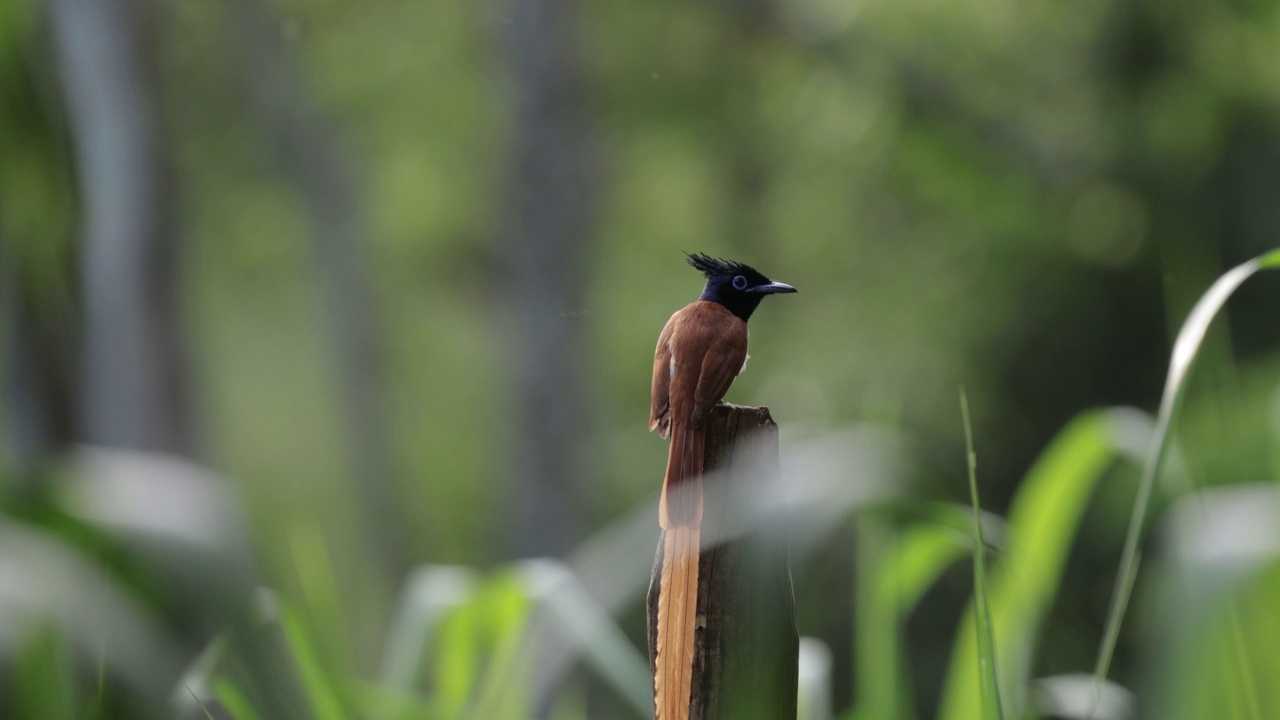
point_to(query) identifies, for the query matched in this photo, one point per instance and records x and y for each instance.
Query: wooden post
(746, 646)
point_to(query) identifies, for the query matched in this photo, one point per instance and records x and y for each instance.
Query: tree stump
(746, 647)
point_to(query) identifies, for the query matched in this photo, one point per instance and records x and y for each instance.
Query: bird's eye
(740, 282)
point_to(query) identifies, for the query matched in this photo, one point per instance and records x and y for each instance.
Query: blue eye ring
(740, 282)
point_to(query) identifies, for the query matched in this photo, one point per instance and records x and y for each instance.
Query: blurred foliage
(1025, 198)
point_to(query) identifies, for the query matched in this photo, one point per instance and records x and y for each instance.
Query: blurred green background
(318, 319)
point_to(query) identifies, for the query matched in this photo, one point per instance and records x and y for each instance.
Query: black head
(734, 285)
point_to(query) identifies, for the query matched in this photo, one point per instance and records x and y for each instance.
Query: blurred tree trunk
(37, 213)
(37, 374)
(313, 158)
(132, 390)
(550, 205)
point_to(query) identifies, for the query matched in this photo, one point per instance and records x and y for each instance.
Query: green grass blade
(503, 691)
(877, 642)
(1211, 648)
(922, 553)
(1043, 521)
(318, 683)
(430, 594)
(1185, 348)
(1111, 634)
(233, 700)
(1241, 658)
(458, 656)
(576, 625)
(895, 568)
(992, 707)
(44, 676)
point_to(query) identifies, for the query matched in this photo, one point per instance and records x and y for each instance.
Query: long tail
(677, 623)
(680, 514)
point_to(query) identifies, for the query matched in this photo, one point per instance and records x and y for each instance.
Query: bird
(700, 351)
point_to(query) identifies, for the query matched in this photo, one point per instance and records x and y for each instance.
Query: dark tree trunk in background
(546, 227)
(37, 378)
(132, 392)
(37, 374)
(311, 155)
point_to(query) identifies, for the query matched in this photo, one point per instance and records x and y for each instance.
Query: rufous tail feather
(681, 515)
(681, 500)
(677, 623)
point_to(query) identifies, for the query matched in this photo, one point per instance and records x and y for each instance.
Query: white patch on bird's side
(672, 371)
(744, 362)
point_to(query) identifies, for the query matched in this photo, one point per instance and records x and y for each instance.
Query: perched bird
(700, 351)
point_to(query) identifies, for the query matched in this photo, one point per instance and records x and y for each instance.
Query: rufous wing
(720, 365)
(660, 393)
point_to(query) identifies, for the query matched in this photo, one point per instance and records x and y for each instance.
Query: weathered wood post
(746, 646)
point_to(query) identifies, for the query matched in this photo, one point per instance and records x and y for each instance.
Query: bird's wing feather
(660, 398)
(720, 365)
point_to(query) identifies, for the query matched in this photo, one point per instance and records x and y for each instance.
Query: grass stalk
(988, 674)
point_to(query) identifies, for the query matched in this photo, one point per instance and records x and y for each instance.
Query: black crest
(713, 267)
